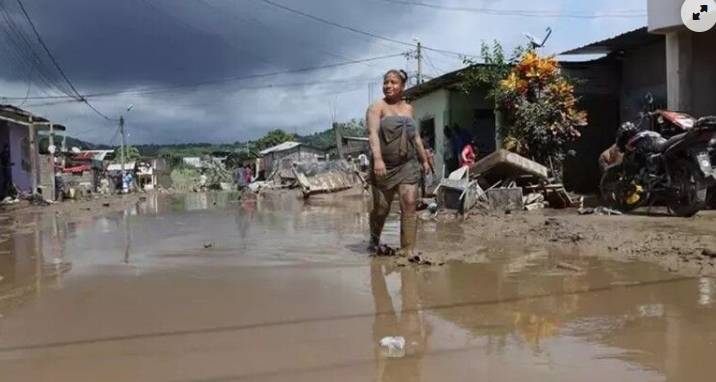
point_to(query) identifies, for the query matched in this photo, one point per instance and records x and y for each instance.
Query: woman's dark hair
(402, 74)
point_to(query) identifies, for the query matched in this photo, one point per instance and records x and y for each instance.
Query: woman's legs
(382, 199)
(408, 218)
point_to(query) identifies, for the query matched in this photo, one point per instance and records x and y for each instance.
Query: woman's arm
(372, 118)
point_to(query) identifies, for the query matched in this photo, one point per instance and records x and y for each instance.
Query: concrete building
(690, 59)
(441, 102)
(20, 132)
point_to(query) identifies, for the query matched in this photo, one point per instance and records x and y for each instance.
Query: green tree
(273, 138)
(131, 153)
(493, 67)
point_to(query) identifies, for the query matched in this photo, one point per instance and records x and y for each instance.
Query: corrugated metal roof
(193, 162)
(282, 147)
(118, 166)
(631, 39)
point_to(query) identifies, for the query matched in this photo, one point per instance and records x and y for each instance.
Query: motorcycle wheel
(692, 193)
(615, 189)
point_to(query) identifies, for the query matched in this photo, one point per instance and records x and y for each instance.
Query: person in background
(468, 154)
(610, 157)
(248, 175)
(240, 177)
(449, 153)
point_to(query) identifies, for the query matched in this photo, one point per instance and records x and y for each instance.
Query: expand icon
(699, 15)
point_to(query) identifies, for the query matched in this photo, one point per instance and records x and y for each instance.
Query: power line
(358, 31)
(337, 25)
(248, 18)
(56, 64)
(25, 53)
(521, 13)
(219, 81)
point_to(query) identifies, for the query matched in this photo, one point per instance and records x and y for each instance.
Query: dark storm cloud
(111, 44)
(114, 45)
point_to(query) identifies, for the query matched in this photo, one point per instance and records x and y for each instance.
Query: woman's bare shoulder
(378, 105)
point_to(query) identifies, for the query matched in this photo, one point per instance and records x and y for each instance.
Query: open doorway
(5, 160)
(427, 132)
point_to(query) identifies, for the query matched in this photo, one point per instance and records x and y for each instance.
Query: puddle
(209, 287)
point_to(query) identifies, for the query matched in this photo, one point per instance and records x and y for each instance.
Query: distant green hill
(324, 140)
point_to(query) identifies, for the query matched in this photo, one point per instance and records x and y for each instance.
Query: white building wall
(435, 105)
(664, 15)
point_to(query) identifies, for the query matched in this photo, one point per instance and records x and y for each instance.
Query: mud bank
(685, 246)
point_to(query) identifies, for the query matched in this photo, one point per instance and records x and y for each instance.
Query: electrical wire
(358, 31)
(25, 53)
(219, 81)
(57, 65)
(521, 13)
(248, 18)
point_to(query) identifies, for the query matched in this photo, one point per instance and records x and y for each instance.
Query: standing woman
(398, 159)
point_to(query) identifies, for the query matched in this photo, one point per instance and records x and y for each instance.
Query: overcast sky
(135, 45)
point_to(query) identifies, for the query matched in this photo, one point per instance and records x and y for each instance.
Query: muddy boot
(408, 234)
(376, 229)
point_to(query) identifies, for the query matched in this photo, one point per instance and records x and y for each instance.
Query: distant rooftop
(281, 147)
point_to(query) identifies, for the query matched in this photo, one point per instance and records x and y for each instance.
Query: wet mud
(217, 287)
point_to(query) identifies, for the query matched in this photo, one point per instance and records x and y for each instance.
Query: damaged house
(277, 162)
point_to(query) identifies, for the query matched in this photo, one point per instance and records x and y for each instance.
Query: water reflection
(409, 324)
(32, 259)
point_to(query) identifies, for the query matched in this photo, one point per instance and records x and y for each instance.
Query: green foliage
(273, 138)
(131, 153)
(238, 151)
(493, 68)
(326, 140)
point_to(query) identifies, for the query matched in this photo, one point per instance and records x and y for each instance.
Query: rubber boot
(408, 234)
(377, 221)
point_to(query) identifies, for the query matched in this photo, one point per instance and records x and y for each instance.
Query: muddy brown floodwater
(207, 288)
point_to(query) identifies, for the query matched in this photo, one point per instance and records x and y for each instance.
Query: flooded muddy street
(206, 287)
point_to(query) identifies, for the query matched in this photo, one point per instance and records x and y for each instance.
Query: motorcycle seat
(664, 145)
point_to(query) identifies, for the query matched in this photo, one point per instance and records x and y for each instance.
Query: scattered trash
(709, 253)
(505, 198)
(433, 207)
(37, 200)
(208, 245)
(457, 192)
(569, 267)
(384, 251)
(324, 177)
(10, 200)
(105, 204)
(393, 347)
(599, 211)
(503, 164)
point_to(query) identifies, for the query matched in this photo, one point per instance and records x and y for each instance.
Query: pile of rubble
(218, 177)
(312, 178)
(503, 181)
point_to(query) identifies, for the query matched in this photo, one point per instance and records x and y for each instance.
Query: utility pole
(121, 149)
(33, 155)
(419, 57)
(52, 162)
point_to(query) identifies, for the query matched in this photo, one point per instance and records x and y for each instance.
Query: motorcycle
(677, 171)
(670, 123)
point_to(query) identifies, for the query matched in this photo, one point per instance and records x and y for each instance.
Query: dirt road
(206, 287)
